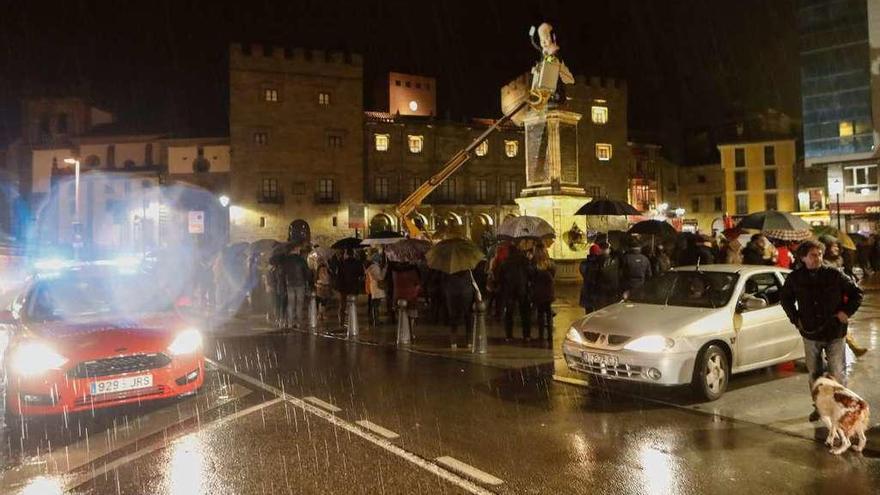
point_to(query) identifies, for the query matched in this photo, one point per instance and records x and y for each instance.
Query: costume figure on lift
(549, 70)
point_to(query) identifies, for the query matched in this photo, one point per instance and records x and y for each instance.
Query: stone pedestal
(553, 190)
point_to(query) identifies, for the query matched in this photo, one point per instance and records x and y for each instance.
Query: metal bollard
(404, 333)
(313, 312)
(352, 318)
(481, 340)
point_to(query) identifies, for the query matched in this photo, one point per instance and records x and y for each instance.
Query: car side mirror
(751, 303)
(6, 317)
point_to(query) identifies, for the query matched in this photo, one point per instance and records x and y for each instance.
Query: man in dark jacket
(350, 280)
(635, 268)
(819, 301)
(515, 273)
(603, 279)
(297, 279)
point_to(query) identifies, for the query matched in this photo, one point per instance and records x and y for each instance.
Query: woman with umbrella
(404, 257)
(455, 258)
(350, 280)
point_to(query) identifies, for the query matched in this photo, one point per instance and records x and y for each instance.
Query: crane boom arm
(408, 205)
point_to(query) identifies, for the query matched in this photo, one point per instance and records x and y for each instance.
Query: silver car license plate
(601, 359)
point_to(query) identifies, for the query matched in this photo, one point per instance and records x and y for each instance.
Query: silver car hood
(635, 320)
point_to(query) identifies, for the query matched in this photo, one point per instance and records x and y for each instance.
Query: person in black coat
(543, 294)
(753, 253)
(819, 300)
(603, 279)
(515, 274)
(635, 269)
(350, 280)
(459, 294)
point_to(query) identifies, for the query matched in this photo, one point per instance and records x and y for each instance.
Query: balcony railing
(272, 199)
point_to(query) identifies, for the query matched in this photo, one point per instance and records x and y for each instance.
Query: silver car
(689, 326)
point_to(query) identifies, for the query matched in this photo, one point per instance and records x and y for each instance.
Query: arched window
(299, 232)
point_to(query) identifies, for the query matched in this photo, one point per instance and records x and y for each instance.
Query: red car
(92, 336)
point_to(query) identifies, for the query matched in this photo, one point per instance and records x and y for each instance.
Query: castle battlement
(246, 56)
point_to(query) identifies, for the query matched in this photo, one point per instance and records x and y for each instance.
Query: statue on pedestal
(550, 69)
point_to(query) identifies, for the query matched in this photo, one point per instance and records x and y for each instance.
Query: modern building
(759, 175)
(840, 86)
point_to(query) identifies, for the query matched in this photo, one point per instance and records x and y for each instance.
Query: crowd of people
(516, 280)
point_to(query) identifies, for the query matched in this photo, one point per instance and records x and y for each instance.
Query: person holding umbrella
(543, 293)
(376, 273)
(516, 291)
(350, 280)
(454, 259)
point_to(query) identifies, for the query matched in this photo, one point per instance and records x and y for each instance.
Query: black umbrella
(653, 227)
(599, 207)
(347, 243)
(385, 237)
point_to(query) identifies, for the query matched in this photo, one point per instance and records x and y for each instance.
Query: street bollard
(404, 333)
(352, 317)
(313, 312)
(481, 340)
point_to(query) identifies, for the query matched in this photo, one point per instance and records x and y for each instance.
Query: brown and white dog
(843, 412)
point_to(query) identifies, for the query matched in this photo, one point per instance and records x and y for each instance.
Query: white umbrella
(526, 226)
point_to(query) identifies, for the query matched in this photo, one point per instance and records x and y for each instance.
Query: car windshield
(85, 296)
(687, 288)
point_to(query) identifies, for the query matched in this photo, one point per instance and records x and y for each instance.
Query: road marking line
(426, 464)
(571, 381)
(110, 466)
(385, 432)
(323, 405)
(468, 470)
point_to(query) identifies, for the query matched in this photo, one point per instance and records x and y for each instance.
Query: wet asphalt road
(521, 431)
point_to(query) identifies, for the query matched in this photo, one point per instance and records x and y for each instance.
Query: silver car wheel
(715, 375)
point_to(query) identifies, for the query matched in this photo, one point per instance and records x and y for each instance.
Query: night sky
(164, 64)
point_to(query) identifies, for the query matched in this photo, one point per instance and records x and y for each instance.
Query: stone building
(701, 193)
(296, 132)
(402, 152)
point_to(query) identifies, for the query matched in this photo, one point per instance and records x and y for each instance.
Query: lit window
(511, 148)
(323, 98)
(416, 143)
(483, 148)
(600, 115)
(413, 106)
(326, 189)
(270, 95)
(603, 151)
(382, 142)
(261, 138)
(846, 128)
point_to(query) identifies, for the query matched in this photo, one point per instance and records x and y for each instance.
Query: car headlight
(574, 335)
(650, 343)
(33, 358)
(186, 342)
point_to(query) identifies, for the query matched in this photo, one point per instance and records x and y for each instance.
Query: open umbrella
(526, 227)
(454, 255)
(827, 231)
(653, 227)
(382, 238)
(779, 225)
(280, 250)
(347, 243)
(599, 207)
(407, 250)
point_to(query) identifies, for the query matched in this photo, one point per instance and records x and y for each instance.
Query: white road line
(110, 466)
(468, 470)
(426, 464)
(323, 405)
(385, 432)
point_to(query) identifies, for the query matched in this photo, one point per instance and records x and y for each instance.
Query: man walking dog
(819, 300)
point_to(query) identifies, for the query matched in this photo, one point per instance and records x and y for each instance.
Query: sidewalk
(428, 338)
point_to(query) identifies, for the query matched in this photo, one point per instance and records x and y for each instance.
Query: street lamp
(77, 226)
(224, 200)
(835, 187)
(679, 212)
